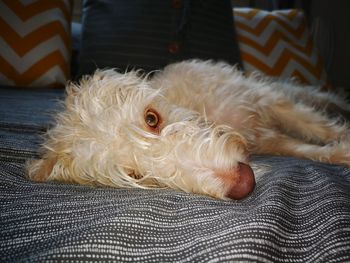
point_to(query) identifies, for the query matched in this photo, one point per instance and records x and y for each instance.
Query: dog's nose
(245, 183)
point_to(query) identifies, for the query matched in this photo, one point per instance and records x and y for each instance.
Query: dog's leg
(274, 142)
(305, 123)
(331, 102)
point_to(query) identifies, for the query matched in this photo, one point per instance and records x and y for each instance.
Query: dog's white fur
(211, 118)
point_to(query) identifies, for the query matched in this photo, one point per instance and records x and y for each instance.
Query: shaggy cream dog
(192, 127)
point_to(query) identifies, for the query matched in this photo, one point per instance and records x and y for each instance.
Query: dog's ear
(72, 90)
(88, 81)
(40, 170)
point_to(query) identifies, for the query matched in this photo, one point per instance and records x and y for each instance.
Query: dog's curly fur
(191, 126)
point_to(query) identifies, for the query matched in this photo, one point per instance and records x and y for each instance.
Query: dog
(191, 126)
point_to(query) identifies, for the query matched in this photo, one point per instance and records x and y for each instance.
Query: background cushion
(150, 34)
(34, 42)
(76, 43)
(279, 44)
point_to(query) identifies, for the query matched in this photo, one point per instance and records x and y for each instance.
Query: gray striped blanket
(299, 212)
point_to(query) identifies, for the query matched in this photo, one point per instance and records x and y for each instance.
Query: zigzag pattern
(278, 44)
(34, 42)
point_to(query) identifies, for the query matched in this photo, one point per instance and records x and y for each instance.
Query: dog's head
(119, 131)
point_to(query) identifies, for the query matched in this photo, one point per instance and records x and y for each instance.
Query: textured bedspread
(299, 212)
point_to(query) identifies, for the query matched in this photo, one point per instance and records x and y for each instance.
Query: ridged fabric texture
(148, 35)
(279, 44)
(299, 211)
(35, 42)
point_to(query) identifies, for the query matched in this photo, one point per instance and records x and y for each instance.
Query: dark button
(174, 48)
(177, 4)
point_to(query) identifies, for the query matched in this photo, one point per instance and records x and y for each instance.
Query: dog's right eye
(152, 119)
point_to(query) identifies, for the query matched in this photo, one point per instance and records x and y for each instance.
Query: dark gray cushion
(150, 34)
(76, 44)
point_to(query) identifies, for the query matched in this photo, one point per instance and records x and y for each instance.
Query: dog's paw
(39, 170)
(338, 153)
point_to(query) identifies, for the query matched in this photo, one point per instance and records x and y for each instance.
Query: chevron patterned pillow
(34, 42)
(279, 44)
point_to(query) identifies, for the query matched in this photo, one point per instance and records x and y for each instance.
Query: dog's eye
(152, 118)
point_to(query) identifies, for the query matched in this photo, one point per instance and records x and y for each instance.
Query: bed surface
(299, 212)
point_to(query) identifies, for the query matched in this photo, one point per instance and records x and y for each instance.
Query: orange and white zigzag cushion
(34, 42)
(279, 44)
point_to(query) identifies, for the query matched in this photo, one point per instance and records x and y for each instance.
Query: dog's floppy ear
(72, 90)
